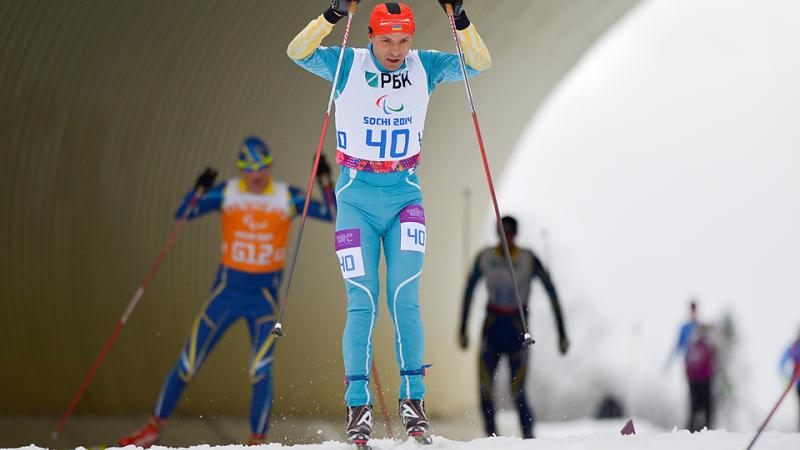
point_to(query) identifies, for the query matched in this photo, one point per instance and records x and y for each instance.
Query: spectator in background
(700, 361)
(792, 355)
(687, 329)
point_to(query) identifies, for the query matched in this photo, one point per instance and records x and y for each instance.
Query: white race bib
(412, 229)
(348, 250)
(381, 116)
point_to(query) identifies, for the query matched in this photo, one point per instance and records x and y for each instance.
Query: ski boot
(412, 413)
(359, 426)
(257, 439)
(145, 437)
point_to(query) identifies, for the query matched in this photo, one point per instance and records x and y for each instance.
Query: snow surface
(563, 435)
(663, 167)
(707, 440)
(671, 441)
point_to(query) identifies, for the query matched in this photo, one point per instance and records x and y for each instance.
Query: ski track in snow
(772, 440)
(676, 440)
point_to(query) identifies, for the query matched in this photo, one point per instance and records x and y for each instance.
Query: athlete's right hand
(206, 179)
(342, 6)
(463, 340)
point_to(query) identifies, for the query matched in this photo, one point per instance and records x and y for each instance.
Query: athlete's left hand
(323, 169)
(563, 345)
(457, 6)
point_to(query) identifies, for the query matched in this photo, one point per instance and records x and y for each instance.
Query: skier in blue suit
(687, 329)
(791, 362)
(381, 101)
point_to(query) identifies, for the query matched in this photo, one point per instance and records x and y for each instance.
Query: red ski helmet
(391, 17)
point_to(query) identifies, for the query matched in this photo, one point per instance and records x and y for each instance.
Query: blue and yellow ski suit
(255, 229)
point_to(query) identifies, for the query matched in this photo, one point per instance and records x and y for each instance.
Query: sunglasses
(254, 166)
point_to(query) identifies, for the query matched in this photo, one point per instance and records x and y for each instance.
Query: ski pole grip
(352, 8)
(448, 8)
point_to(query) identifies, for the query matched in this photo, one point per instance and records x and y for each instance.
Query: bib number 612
(248, 253)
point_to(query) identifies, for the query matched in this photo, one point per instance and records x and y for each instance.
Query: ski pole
(467, 230)
(794, 380)
(527, 340)
(278, 329)
(128, 310)
(381, 400)
(330, 199)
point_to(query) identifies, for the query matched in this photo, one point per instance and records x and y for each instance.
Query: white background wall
(664, 166)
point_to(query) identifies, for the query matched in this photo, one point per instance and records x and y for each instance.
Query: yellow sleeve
(475, 52)
(309, 39)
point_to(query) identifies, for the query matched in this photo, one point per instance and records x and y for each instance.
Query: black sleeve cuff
(332, 16)
(462, 21)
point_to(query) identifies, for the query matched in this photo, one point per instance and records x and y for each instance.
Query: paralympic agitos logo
(383, 103)
(392, 80)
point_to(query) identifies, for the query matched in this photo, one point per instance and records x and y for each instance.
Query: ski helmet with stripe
(253, 155)
(391, 17)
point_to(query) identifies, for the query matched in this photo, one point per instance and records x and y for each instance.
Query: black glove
(463, 340)
(323, 169)
(206, 179)
(460, 16)
(457, 6)
(563, 344)
(338, 9)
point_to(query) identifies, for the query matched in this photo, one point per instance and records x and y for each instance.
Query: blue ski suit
(246, 287)
(789, 362)
(379, 202)
(685, 336)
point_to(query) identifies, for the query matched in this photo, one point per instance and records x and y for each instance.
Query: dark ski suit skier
(502, 327)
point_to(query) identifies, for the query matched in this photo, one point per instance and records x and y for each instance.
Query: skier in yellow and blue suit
(256, 214)
(381, 101)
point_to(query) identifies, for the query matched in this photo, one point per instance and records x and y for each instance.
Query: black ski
(361, 442)
(420, 435)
